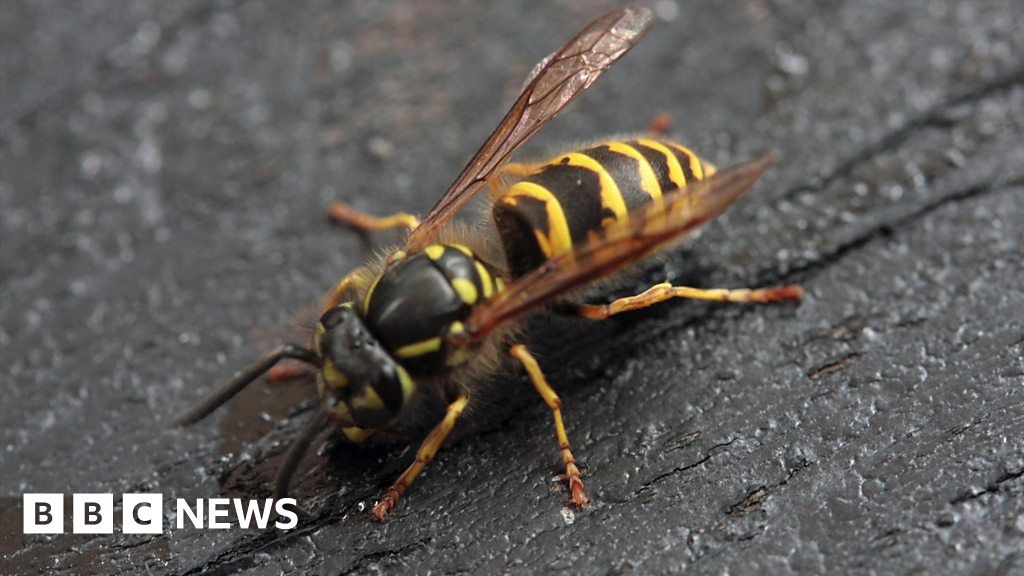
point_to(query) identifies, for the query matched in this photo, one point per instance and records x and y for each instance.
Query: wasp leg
(660, 125)
(665, 291)
(295, 452)
(287, 371)
(572, 473)
(345, 215)
(347, 284)
(425, 454)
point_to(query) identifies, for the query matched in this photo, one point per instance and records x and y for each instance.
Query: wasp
(441, 313)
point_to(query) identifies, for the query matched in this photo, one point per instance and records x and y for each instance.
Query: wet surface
(164, 169)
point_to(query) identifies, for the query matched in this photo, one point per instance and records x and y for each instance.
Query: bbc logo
(93, 513)
(144, 513)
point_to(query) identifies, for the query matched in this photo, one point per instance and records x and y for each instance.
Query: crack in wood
(934, 118)
(991, 488)
(833, 366)
(711, 452)
(756, 496)
(887, 228)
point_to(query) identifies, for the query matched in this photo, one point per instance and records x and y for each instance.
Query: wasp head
(359, 382)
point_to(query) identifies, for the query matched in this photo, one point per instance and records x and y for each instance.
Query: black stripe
(659, 163)
(684, 162)
(455, 263)
(389, 388)
(515, 228)
(625, 171)
(578, 191)
(413, 301)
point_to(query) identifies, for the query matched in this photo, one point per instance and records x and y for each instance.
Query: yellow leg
(287, 371)
(572, 473)
(425, 454)
(344, 214)
(337, 295)
(665, 291)
(660, 125)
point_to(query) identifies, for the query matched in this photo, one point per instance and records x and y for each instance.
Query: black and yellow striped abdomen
(564, 202)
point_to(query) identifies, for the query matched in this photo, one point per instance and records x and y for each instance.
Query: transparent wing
(554, 82)
(649, 229)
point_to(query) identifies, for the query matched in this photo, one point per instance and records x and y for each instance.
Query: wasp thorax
(360, 384)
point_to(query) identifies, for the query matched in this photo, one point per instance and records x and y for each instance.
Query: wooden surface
(164, 170)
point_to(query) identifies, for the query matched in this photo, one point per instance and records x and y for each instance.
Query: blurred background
(164, 173)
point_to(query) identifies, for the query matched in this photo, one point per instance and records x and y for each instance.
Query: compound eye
(336, 316)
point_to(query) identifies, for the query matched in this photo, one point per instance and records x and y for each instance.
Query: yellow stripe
(368, 400)
(485, 279)
(611, 197)
(342, 412)
(675, 170)
(465, 289)
(462, 248)
(557, 239)
(357, 435)
(695, 165)
(419, 348)
(460, 354)
(333, 377)
(408, 387)
(369, 293)
(396, 256)
(434, 251)
(318, 335)
(648, 179)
